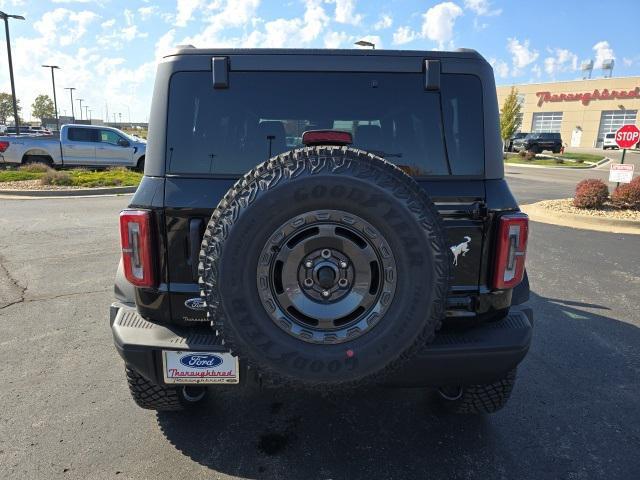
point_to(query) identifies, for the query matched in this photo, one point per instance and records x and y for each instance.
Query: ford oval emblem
(196, 303)
(201, 360)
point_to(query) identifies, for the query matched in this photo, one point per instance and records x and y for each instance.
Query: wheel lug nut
(325, 293)
(309, 264)
(343, 282)
(326, 253)
(308, 282)
(343, 264)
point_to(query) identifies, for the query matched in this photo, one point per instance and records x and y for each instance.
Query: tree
(42, 107)
(6, 107)
(510, 115)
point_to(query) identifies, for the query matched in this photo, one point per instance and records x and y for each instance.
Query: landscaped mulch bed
(565, 205)
(34, 185)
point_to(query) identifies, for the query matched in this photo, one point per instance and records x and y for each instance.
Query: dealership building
(583, 111)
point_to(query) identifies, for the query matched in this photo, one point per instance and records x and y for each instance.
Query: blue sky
(108, 48)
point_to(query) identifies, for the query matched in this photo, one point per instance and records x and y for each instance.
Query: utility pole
(55, 100)
(73, 114)
(6, 17)
(79, 100)
(90, 115)
(86, 114)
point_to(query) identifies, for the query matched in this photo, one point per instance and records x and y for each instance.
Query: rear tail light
(511, 247)
(3, 146)
(137, 251)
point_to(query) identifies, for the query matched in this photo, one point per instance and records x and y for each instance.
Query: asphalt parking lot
(66, 411)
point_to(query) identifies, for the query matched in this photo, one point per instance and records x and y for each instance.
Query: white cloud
(385, 22)
(223, 24)
(73, 1)
(116, 38)
(404, 35)
(439, 21)
(562, 60)
(184, 11)
(537, 71)
(146, 12)
(346, 12)
(165, 43)
(64, 26)
(479, 26)
(627, 61)
(335, 39)
(482, 7)
(315, 20)
(500, 67)
(521, 54)
(603, 52)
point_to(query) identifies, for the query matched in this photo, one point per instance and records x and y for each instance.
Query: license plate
(199, 367)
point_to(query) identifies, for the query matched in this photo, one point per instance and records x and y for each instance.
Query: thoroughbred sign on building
(583, 111)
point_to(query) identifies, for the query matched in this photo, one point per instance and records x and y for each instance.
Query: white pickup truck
(77, 145)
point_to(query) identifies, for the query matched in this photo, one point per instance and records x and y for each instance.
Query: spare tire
(325, 266)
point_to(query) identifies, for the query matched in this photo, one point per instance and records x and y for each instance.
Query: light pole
(86, 114)
(120, 115)
(90, 115)
(55, 100)
(79, 100)
(6, 17)
(73, 115)
(365, 43)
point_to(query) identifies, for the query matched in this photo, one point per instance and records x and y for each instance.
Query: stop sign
(627, 136)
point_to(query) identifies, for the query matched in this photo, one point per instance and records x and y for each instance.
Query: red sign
(627, 136)
(586, 97)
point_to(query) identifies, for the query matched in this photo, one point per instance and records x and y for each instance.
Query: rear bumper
(477, 355)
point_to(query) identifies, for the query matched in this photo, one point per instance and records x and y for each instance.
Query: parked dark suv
(322, 220)
(537, 142)
(508, 145)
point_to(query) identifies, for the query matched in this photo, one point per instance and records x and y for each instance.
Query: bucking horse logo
(461, 248)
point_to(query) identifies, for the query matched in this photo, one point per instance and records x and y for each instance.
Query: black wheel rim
(326, 277)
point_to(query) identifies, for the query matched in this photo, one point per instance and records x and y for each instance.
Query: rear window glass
(83, 135)
(261, 114)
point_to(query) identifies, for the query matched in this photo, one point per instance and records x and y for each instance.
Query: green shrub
(591, 193)
(522, 153)
(54, 177)
(627, 195)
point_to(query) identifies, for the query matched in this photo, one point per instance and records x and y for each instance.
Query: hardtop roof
(460, 53)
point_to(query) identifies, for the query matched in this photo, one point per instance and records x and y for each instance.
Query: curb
(575, 169)
(80, 192)
(584, 222)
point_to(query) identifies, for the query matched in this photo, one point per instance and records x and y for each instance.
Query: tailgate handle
(195, 239)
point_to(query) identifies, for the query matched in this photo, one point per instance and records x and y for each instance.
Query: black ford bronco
(323, 219)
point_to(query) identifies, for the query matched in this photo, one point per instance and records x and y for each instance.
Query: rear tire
(478, 399)
(152, 396)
